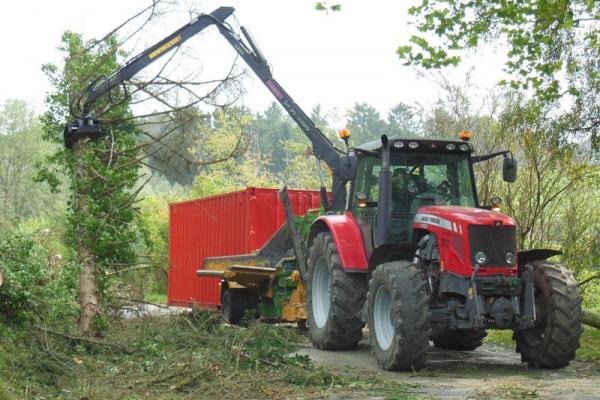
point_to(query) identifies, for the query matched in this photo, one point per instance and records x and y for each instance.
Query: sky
(333, 59)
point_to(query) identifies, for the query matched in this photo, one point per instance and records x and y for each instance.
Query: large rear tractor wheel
(462, 340)
(555, 337)
(398, 308)
(334, 298)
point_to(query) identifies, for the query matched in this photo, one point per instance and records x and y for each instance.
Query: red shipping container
(223, 225)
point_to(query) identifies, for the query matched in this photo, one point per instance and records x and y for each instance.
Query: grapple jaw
(81, 129)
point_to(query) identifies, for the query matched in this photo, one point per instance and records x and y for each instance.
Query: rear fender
(347, 237)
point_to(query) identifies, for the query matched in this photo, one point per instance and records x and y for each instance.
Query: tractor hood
(446, 215)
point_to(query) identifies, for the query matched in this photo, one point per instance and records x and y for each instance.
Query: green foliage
(103, 172)
(553, 47)
(323, 6)
(590, 345)
(153, 223)
(365, 123)
(36, 287)
(590, 290)
(402, 121)
(170, 143)
(191, 355)
(275, 153)
(25, 270)
(234, 172)
(20, 149)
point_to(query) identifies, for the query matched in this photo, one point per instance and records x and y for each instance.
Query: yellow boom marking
(165, 47)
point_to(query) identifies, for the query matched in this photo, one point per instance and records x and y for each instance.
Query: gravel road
(490, 372)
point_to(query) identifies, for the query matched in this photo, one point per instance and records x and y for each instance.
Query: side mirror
(509, 169)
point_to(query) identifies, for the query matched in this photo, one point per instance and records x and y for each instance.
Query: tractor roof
(420, 144)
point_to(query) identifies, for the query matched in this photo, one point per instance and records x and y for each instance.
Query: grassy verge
(588, 351)
(177, 357)
(590, 345)
(156, 298)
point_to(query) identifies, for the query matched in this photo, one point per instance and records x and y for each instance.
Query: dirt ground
(490, 372)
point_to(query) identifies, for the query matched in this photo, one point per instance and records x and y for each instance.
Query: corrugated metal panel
(224, 225)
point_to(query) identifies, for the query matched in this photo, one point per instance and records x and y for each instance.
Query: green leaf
(336, 7)
(319, 6)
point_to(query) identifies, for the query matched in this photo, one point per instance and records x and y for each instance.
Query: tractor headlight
(464, 147)
(510, 257)
(480, 257)
(450, 146)
(413, 145)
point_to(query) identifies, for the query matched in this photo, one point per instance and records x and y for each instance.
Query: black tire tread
(343, 330)
(240, 302)
(411, 307)
(563, 319)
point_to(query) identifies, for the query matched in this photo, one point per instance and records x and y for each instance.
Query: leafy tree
(230, 173)
(169, 144)
(552, 172)
(20, 149)
(103, 172)
(402, 121)
(270, 131)
(365, 123)
(166, 143)
(553, 47)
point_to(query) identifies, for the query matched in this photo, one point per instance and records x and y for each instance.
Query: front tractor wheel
(398, 309)
(334, 298)
(552, 342)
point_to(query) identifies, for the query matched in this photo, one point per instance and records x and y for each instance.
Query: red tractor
(404, 244)
(418, 258)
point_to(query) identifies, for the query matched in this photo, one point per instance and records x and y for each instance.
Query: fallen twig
(83, 339)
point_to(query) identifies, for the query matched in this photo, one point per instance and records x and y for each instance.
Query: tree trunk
(591, 318)
(88, 284)
(88, 292)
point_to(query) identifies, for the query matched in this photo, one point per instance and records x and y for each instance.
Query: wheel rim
(383, 318)
(321, 293)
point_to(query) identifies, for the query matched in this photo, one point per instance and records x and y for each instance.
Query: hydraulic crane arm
(153, 53)
(322, 146)
(85, 126)
(342, 165)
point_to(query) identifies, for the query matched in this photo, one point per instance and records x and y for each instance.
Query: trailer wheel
(463, 340)
(554, 339)
(234, 304)
(334, 298)
(398, 313)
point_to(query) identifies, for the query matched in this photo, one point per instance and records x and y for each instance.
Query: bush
(25, 269)
(31, 288)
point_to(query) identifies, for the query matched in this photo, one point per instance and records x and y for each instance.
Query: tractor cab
(422, 172)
